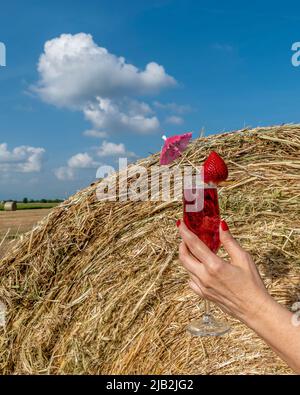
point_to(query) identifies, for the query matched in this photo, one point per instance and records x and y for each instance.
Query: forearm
(273, 323)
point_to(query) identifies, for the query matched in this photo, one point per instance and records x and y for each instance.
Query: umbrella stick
(184, 157)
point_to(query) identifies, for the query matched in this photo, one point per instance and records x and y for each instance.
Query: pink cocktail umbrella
(173, 147)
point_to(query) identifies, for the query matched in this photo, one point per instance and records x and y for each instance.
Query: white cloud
(174, 120)
(81, 161)
(74, 69)
(22, 159)
(78, 161)
(76, 73)
(84, 160)
(134, 107)
(122, 116)
(64, 173)
(112, 149)
(94, 133)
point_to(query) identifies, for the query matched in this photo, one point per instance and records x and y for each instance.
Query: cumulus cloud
(22, 159)
(74, 69)
(76, 162)
(82, 161)
(175, 111)
(64, 173)
(76, 73)
(125, 116)
(109, 149)
(112, 149)
(174, 120)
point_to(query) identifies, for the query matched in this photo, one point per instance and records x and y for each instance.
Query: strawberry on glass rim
(215, 169)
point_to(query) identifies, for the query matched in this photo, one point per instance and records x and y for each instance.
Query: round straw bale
(97, 287)
(10, 206)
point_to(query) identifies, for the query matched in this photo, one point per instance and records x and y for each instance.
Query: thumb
(228, 241)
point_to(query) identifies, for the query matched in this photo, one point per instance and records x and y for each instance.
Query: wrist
(260, 308)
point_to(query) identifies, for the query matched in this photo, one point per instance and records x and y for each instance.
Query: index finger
(195, 245)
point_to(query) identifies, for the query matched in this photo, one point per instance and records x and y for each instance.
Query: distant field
(32, 206)
(14, 223)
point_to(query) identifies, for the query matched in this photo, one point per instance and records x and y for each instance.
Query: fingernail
(224, 225)
(178, 222)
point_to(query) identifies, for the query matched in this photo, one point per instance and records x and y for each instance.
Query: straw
(97, 287)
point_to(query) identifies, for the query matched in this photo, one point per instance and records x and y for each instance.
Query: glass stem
(206, 308)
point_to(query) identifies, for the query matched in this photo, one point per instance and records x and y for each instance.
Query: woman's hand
(234, 285)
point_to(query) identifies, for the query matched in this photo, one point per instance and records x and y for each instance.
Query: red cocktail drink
(202, 216)
(205, 222)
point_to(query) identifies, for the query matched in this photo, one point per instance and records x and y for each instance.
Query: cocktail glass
(202, 217)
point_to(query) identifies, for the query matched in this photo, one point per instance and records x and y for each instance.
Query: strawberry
(215, 169)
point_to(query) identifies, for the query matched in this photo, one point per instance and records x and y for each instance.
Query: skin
(237, 288)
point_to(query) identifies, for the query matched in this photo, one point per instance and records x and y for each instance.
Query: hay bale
(10, 206)
(97, 286)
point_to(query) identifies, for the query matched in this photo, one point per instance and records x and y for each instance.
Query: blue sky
(218, 65)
